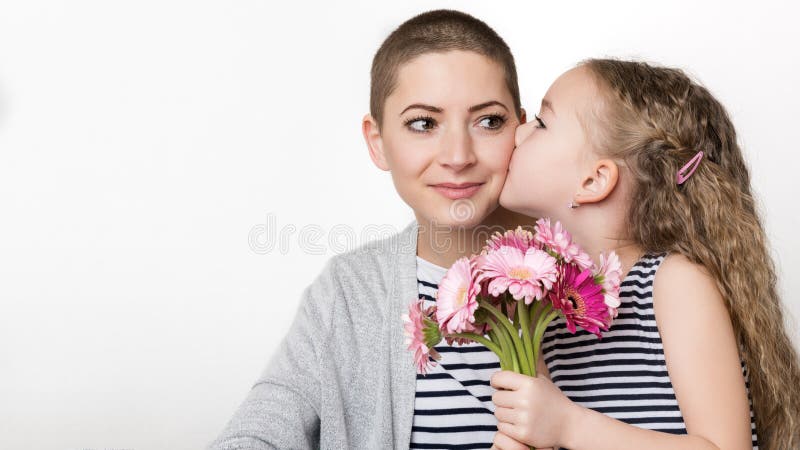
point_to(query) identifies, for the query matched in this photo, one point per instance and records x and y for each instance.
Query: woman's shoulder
(380, 252)
(372, 266)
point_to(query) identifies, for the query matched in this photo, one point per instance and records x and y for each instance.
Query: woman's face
(552, 152)
(447, 136)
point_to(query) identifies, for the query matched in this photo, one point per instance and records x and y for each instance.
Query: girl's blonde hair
(654, 120)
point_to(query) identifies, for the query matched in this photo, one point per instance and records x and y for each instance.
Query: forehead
(572, 91)
(452, 78)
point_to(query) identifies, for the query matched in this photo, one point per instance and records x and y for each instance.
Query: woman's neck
(444, 244)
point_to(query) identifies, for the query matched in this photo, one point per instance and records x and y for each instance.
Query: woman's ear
(522, 117)
(372, 136)
(599, 183)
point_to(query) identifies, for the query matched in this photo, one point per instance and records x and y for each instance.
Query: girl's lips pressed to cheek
(455, 191)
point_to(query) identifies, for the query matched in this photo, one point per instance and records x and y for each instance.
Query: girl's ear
(522, 117)
(372, 136)
(599, 183)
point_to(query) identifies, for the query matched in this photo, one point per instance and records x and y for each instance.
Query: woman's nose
(457, 152)
(522, 133)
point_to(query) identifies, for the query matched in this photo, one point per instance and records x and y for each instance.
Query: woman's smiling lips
(455, 191)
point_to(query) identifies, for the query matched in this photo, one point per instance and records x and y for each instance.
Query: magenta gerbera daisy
(580, 300)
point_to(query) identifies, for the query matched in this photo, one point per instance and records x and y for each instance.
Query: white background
(141, 142)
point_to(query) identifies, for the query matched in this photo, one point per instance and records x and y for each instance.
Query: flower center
(520, 273)
(461, 296)
(577, 301)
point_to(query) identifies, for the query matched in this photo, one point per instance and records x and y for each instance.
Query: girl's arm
(703, 362)
(704, 366)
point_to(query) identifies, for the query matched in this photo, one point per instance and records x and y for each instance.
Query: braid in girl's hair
(654, 120)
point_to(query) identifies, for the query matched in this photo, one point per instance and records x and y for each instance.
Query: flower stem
(512, 360)
(497, 337)
(547, 314)
(512, 333)
(486, 342)
(524, 318)
(537, 306)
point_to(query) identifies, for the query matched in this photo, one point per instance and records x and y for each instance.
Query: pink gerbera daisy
(518, 238)
(421, 335)
(580, 300)
(609, 275)
(560, 242)
(456, 299)
(479, 329)
(525, 275)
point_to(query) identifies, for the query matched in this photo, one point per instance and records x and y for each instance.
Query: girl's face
(447, 136)
(552, 152)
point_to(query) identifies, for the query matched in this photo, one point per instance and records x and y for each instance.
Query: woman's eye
(421, 124)
(540, 123)
(492, 122)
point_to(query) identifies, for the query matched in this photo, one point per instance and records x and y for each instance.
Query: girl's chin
(514, 205)
(507, 201)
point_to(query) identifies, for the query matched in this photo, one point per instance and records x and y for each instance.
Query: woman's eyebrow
(486, 105)
(436, 109)
(422, 106)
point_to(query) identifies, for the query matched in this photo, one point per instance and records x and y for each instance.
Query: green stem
(547, 316)
(526, 336)
(520, 360)
(512, 360)
(515, 318)
(498, 338)
(486, 342)
(534, 316)
(534, 311)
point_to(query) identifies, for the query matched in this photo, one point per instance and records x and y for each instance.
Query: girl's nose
(522, 133)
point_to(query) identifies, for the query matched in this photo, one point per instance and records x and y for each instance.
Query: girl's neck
(597, 231)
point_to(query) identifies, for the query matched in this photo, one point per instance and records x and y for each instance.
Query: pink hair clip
(696, 161)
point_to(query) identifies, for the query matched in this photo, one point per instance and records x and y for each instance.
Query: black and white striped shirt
(623, 375)
(453, 406)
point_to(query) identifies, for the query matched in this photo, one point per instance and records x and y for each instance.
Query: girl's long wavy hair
(654, 120)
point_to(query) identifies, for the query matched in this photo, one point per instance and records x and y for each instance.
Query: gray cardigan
(341, 378)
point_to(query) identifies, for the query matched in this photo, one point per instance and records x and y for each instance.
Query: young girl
(444, 106)
(641, 160)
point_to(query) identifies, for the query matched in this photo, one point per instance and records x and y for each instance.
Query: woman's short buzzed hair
(436, 31)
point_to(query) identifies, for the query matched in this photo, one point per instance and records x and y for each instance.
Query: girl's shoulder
(684, 287)
(678, 277)
(690, 309)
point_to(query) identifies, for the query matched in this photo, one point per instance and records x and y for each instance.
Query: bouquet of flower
(510, 292)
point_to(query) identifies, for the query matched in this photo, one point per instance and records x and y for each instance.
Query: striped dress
(623, 375)
(453, 406)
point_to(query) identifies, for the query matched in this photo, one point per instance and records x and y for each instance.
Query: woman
(443, 110)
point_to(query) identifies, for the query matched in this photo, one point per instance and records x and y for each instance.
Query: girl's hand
(505, 442)
(531, 411)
